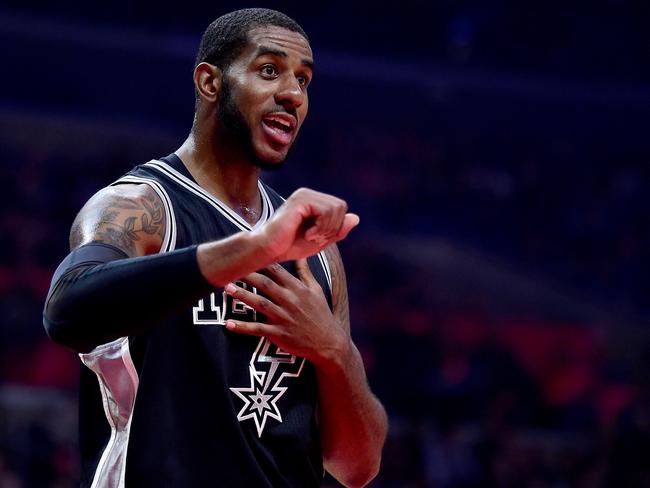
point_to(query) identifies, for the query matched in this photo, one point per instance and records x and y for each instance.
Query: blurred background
(497, 152)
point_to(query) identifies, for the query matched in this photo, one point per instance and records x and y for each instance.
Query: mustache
(281, 109)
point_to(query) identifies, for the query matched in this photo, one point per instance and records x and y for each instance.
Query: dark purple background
(497, 153)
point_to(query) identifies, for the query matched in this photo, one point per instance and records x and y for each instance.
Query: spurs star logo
(268, 367)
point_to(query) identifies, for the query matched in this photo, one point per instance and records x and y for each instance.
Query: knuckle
(266, 282)
(264, 304)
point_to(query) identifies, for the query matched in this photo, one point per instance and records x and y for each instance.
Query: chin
(267, 163)
(269, 159)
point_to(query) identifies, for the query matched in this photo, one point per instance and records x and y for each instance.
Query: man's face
(263, 100)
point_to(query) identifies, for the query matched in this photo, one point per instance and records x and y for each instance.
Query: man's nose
(290, 94)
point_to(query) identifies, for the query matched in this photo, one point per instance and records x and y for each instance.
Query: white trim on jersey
(118, 383)
(322, 257)
(235, 218)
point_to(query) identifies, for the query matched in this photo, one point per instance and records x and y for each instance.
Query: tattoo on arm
(124, 221)
(124, 232)
(339, 287)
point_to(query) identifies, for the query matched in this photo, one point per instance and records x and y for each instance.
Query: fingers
(276, 282)
(252, 328)
(306, 224)
(280, 275)
(273, 283)
(328, 213)
(349, 222)
(315, 235)
(257, 302)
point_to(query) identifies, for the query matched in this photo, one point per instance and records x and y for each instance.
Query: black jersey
(190, 403)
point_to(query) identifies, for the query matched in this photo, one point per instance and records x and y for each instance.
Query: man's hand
(299, 318)
(304, 225)
(308, 222)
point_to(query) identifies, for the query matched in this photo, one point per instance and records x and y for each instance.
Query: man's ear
(207, 80)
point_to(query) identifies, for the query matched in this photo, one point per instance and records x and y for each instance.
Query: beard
(234, 126)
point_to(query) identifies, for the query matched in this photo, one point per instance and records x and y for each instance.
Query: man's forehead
(279, 37)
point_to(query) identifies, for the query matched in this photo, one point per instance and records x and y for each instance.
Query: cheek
(244, 95)
(253, 106)
(303, 109)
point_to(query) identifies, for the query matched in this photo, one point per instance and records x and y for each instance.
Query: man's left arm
(353, 423)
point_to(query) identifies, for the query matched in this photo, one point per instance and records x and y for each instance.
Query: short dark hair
(225, 38)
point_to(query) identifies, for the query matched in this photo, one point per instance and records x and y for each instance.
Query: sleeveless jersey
(190, 403)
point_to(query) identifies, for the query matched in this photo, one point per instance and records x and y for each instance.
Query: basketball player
(211, 315)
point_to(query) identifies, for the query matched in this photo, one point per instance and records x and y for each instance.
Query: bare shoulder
(130, 217)
(339, 286)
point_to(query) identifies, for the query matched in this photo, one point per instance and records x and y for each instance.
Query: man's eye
(303, 80)
(269, 70)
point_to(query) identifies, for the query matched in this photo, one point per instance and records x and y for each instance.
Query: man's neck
(223, 173)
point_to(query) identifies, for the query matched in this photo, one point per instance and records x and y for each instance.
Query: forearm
(221, 262)
(353, 422)
(95, 303)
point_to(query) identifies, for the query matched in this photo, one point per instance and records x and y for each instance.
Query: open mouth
(279, 127)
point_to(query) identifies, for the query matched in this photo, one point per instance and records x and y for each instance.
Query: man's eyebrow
(264, 50)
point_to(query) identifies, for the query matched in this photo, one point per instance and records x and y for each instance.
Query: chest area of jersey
(197, 221)
(264, 380)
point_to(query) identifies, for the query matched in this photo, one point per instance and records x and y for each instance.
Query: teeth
(279, 122)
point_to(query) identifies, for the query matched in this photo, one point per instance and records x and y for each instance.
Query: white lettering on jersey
(218, 313)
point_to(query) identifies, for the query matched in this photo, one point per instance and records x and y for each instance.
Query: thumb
(350, 221)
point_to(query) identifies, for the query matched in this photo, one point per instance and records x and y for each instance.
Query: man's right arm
(113, 285)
